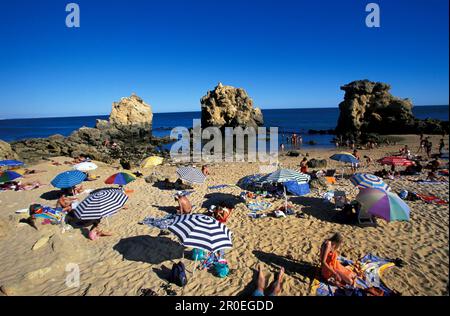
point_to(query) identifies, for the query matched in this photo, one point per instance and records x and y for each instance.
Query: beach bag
(178, 274)
(221, 269)
(198, 254)
(403, 194)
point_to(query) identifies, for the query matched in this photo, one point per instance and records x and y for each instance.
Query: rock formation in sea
(125, 137)
(226, 106)
(369, 107)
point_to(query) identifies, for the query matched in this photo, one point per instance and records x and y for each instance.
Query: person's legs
(276, 285)
(347, 276)
(260, 283)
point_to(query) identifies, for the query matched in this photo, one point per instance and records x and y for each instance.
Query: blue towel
(295, 188)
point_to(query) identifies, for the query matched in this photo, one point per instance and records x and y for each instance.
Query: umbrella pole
(285, 199)
(195, 264)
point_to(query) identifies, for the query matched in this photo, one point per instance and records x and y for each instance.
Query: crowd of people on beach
(331, 270)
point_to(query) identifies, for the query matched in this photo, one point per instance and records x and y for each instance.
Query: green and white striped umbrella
(285, 175)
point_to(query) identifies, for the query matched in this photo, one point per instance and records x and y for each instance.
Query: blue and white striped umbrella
(10, 163)
(285, 175)
(191, 175)
(369, 181)
(202, 232)
(68, 179)
(101, 203)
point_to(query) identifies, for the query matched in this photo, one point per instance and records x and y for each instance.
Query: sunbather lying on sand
(29, 186)
(274, 289)
(95, 232)
(331, 269)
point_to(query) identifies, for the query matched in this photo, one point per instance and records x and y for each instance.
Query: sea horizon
(198, 111)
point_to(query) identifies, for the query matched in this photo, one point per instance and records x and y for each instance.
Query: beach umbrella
(395, 161)
(85, 166)
(68, 179)
(285, 175)
(152, 161)
(191, 175)
(383, 204)
(8, 176)
(101, 203)
(344, 157)
(10, 163)
(121, 178)
(202, 232)
(370, 181)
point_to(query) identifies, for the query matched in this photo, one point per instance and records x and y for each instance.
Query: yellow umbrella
(152, 161)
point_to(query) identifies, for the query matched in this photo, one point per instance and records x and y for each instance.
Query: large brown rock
(6, 151)
(226, 106)
(131, 111)
(369, 107)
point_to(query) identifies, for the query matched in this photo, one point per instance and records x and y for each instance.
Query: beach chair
(364, 218)
(340, 199)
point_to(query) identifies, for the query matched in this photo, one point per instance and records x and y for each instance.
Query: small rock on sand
(41, 242)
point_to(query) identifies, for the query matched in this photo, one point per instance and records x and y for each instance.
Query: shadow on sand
(225, 199)
(292, 267)
(51, 195)
(153, 250)
(323, 211)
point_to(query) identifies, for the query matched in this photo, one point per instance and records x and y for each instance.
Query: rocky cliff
(226, 106)
(125, 137)
(369, 107)
(6, 151)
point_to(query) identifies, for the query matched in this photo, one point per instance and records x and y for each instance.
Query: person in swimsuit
(304, 165)
(205, 170)
(331, 268)
(184, 205)
(65, 202)
(274, 289)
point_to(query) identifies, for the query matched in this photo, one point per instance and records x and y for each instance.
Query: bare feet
(277, 285)
(261, 279)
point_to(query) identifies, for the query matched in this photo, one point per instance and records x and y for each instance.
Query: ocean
(287, 120)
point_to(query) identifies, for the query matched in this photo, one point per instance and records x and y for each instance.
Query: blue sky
(284, 53)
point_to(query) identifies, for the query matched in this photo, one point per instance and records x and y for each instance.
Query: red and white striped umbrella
(396, 161)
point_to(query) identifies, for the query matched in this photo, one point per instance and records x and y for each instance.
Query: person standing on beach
(300, 140)
(441, 145)
(355, 165)
(429, 147)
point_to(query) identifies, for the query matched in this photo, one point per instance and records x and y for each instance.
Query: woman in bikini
(331, 268)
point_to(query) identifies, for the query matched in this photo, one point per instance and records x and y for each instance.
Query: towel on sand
(372, 267)
(258, 206)
(161, 223)
(219, 186)
(431, 199)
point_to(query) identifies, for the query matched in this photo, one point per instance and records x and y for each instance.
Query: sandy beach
(135, 257)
